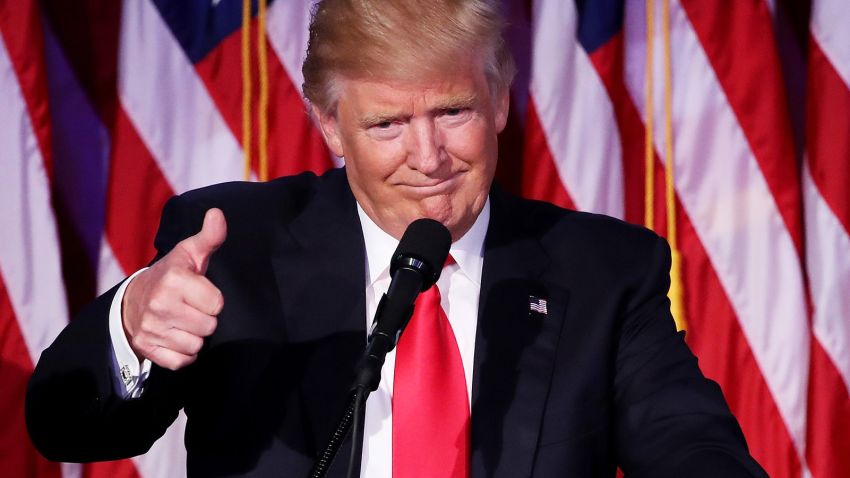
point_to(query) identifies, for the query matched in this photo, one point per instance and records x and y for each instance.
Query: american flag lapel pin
(537, 307)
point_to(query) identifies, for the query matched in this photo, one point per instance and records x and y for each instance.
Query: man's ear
(330, 131)
(503, 102)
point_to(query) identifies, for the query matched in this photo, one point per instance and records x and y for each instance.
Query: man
(564, 360)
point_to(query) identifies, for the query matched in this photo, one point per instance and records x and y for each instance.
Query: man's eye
(384, 124)
(453, 111)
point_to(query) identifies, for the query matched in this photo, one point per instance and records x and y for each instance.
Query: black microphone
(416, 265)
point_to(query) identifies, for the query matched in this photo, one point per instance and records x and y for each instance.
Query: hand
(168, 309)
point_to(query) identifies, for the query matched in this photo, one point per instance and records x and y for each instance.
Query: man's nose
(425, 150)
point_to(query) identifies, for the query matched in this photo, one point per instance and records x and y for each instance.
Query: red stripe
(20, 25)
(828, 133)
(18, 456)
(715, 335)
(740, 44)
(294, 145)
(828, 147)
(608, 61)
(828, 418)
(540, 178)
(136, 194)
(111, 469)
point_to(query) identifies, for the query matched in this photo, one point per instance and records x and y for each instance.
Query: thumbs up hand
(168, 309)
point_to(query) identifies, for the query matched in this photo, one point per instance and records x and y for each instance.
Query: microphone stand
(354, 415)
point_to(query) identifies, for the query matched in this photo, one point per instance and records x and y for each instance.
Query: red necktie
(430, 404)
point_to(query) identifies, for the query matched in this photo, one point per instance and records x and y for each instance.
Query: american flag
(108, 108)
(538, 306)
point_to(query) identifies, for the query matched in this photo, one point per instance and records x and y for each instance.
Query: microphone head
(423, 247)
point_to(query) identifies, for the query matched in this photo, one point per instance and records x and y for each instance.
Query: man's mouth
(433, 187)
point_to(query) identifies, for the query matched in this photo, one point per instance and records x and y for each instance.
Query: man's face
(419, 149)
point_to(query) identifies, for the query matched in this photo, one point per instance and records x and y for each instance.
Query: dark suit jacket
(602, 380)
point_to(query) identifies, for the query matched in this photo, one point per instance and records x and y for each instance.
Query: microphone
(416, 265)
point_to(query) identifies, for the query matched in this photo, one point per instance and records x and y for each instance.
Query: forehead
(463, 87)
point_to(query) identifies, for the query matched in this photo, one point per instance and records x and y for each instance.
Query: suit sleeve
(672, 421)
(73, 413)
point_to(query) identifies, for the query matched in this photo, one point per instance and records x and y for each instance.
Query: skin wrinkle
(452, 102)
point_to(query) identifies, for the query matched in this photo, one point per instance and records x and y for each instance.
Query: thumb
(211, 236)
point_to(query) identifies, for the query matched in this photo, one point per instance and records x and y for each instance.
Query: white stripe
(109, 271)
(167, 457)
(72, 470)
(828, 262)
(169, 105)
(735, 216)
(575, 112)
(830, 20)
(29, 256)
(287, 25)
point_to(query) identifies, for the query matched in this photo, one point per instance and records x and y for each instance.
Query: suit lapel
(514, 348)
(319, 263)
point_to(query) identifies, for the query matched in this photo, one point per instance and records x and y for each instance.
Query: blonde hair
(401, 40)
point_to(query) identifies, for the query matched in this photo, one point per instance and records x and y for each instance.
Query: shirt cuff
(129, 373)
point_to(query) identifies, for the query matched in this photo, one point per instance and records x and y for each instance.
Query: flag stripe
(568, 95)
(540, 179)
(828, 132)
(29, 258)
(827, 212)
(829, 418)
(828, 261)
(725, 356)
(287, 26)
(829, 27)
(295, 145)
(32, 299)
(18, 454)
(608, 60)
(750, 73)
(715, 336)
(137, 192)
(20, 26)
(183, 131)
(734, 215)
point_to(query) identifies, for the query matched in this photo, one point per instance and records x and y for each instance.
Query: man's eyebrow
(373, 119)
(456, 102)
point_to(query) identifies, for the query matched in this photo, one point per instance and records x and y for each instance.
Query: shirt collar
(468, 251)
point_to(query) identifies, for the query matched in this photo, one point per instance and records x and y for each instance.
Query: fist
(169, 308)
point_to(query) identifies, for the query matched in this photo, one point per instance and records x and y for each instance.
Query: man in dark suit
(254, 312)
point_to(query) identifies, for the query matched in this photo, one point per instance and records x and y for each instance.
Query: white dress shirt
(459, 284)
